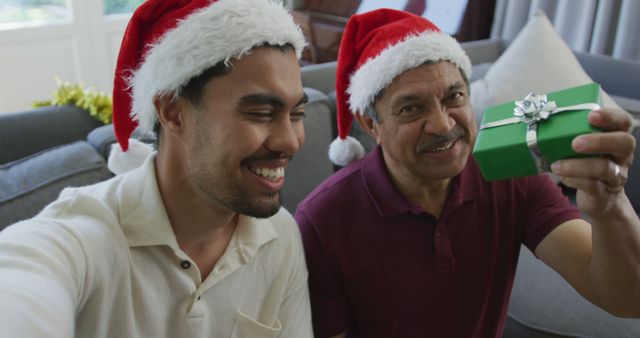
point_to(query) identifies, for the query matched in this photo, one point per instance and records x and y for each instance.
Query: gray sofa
(44, 150)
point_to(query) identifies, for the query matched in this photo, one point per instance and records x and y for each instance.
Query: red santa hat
(376, 47)
(168, 42)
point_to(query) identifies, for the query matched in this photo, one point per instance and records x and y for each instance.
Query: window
(33, 11)
(446, 14)
(120, 6)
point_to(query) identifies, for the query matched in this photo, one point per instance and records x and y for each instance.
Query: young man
(192, 242)
(411, 241)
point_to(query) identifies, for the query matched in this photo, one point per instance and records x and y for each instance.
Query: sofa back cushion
(28, 132)
(29, 184)
(310, 165)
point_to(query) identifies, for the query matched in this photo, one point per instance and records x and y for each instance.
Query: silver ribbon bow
(533, 109)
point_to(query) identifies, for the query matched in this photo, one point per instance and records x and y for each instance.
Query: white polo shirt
(102, 261)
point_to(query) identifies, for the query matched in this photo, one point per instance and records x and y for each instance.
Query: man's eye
(410, 109)
(259, 115)
(297, 116)
(457, 97)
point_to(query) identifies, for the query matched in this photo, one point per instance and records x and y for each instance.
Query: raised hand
(600, 180)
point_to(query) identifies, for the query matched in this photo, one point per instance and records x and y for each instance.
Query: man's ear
(369, 125)
(170, 112)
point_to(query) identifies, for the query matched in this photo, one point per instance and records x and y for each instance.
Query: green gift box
(519, 139)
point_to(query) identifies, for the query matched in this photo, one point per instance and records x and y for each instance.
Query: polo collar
(252, 233)
(143, 217)
(388, 199)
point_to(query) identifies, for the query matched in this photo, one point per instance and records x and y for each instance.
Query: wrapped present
(524, 137)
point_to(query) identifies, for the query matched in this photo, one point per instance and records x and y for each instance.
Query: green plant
(98, 104)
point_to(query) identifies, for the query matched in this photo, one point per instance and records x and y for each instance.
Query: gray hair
(370, 109)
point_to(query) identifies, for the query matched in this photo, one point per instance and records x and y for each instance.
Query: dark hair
(193, 89)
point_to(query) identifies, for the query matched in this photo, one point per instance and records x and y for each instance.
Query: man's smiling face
(244, 133)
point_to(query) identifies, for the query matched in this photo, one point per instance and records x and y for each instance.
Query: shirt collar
(143, 216)
(390, 201)
(144, 219)
(251, 234)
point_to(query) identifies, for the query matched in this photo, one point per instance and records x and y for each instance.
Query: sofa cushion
(478, 71)
(537, 60)
(543, 304)
(310, 165)
(29, 184)
(28, 132)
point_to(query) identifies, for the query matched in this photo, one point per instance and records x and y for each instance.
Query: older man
(193, 242)
(411, 241)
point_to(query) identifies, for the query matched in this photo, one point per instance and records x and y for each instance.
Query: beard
(234, 195)
(222, 185)
(240, 200)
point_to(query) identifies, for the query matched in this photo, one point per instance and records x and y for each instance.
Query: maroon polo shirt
(381, 267)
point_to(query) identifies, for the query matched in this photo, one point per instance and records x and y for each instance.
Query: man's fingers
(611, 120)
(597, 175)
(599, 168)
(619, 145)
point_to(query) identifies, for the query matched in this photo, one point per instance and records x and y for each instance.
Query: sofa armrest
(103, 137)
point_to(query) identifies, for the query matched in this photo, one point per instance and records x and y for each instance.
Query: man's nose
(286, 137)
(440, 122)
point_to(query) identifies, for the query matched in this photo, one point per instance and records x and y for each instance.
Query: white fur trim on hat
(342, 152)
(378, 72)
(225, 30)
(120, 162)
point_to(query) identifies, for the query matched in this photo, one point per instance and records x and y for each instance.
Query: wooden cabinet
(323, 23)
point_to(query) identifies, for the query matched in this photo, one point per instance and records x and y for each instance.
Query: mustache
(440, 140)
(271, 156)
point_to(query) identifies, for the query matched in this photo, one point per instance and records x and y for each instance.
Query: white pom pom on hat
(344, 151)
(376, 47)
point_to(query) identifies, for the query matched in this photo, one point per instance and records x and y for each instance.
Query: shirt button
(185, 264)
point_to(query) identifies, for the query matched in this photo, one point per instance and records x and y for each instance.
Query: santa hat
(169, 42)
(376, 47)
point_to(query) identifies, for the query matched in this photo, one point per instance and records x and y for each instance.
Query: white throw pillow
(537, 60)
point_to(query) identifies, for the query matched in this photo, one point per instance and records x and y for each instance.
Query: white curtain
(610, 27)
